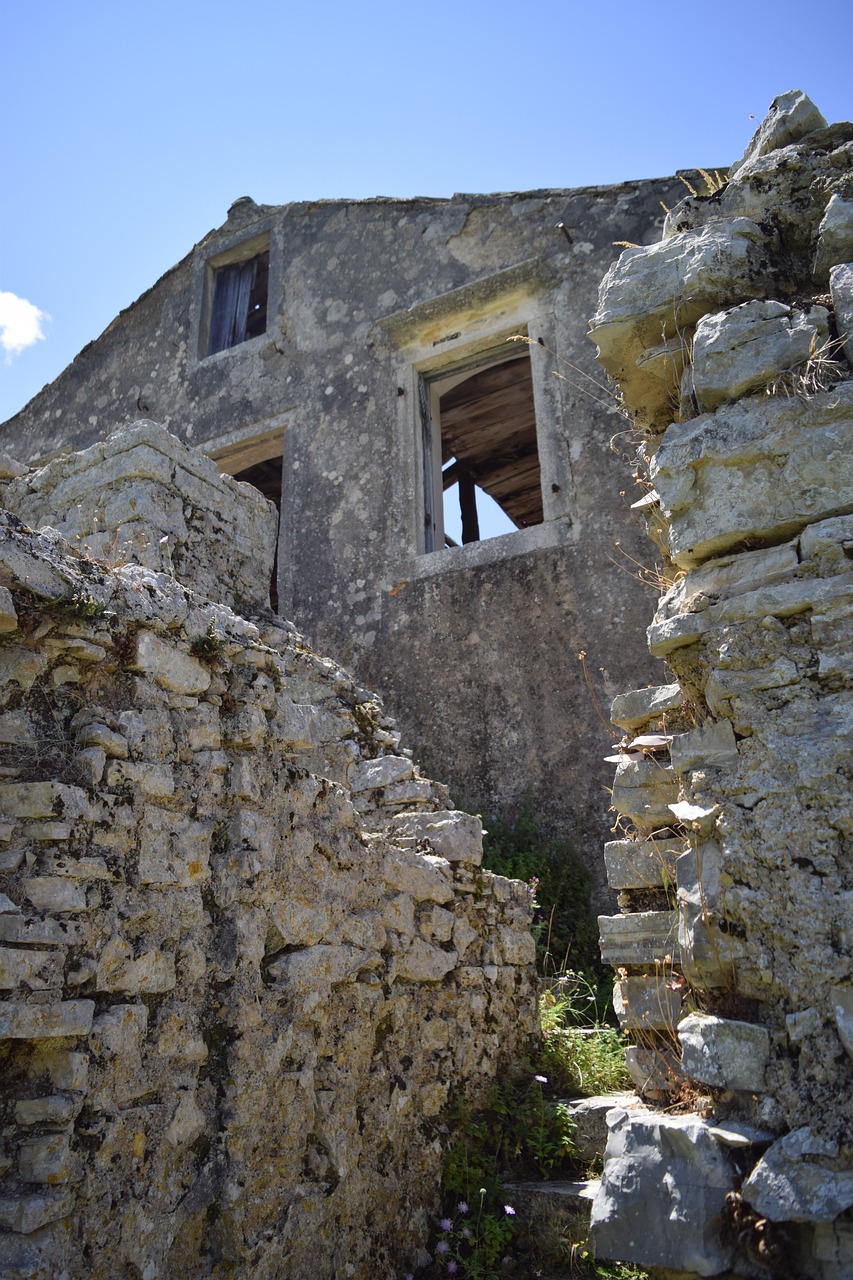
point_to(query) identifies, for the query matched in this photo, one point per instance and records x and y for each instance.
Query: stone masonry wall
(144, 497)
(247, 953)
(732, 342)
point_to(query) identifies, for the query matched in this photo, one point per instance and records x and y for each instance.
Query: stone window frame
(453, 330)
(239, 246)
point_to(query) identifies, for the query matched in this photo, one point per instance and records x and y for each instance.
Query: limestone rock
(453, 835)
(794, 1181)
(835, 238)
(669, 287)
(639, 938)
(746, 349)
(790, 117)
(841, 290)
(662, 1193)
(711, 746)
(742, 471)
(842, 1007)
(630, 710)
(724, 1052)
(641, 864)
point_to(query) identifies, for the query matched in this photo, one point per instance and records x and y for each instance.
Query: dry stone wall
(731, 343)
(247, 952)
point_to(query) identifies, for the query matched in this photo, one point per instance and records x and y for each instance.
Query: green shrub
(566, 931)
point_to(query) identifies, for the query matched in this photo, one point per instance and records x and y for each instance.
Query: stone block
(742, 351)
(55, 894)
(42, 1021)
(300, 924)
(654, 1071)
(712, 746)
(746, 471)
(724, 1052)
(589, 1116)
(709, 950)
(646, 1003)
(631, 710)
(835, 238)
(451, 834)
(675, 633)
(797, 1180)
(643, 791)
(425, 879)
(43, 800)
(173, 850)
(517, 945)
(322, 966)
(664, 289)
(662, 1193)
(187, 1124)
(169, 666)
(641, 864)
(642, 937)
(790, 117)
(48, 1159)
(424, 963)
(38, 970)
(120, 971)
(37, 931)
(841, 292)
(367, 775)
(100, 735)
(52, 1111)
(28, 1212)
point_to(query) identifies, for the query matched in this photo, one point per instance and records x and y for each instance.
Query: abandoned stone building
(249, 951)
(355, 361)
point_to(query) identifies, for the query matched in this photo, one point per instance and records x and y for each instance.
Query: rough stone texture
(798, 1180)
(744, 350)
(364, 295)
(841, 292)
(756, 519)
(790, 117)
(662, 1193)
(720, 1051)
(142, 497)
(235, 1005)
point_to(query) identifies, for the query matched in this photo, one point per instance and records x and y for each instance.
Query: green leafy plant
(580, 1053)
(560, 883)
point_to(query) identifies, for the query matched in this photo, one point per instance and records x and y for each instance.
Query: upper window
(238, 309)
(481, 459)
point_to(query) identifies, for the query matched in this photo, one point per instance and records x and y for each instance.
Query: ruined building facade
(351, 359)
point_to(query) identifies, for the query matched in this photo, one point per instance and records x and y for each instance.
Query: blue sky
(128, 129)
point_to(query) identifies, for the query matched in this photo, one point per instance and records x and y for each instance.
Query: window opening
(266, 476)
(239, 307)
(484, 420)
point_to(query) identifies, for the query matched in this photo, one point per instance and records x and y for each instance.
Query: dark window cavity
(239, 307)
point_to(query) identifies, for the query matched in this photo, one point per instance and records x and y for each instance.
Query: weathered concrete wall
(247, 952)
(735, 946)
(362, 293)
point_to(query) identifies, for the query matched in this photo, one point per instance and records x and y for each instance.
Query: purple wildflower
(541, 1079)
(465, 1233)
(442, 1247)
(446, 1224)
(509, 1211)
(452, 1268)
(462, 1206)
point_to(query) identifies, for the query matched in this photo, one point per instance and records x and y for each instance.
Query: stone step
(590, 1117)
(572, 1201)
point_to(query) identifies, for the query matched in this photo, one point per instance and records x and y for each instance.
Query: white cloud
(20, 324)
